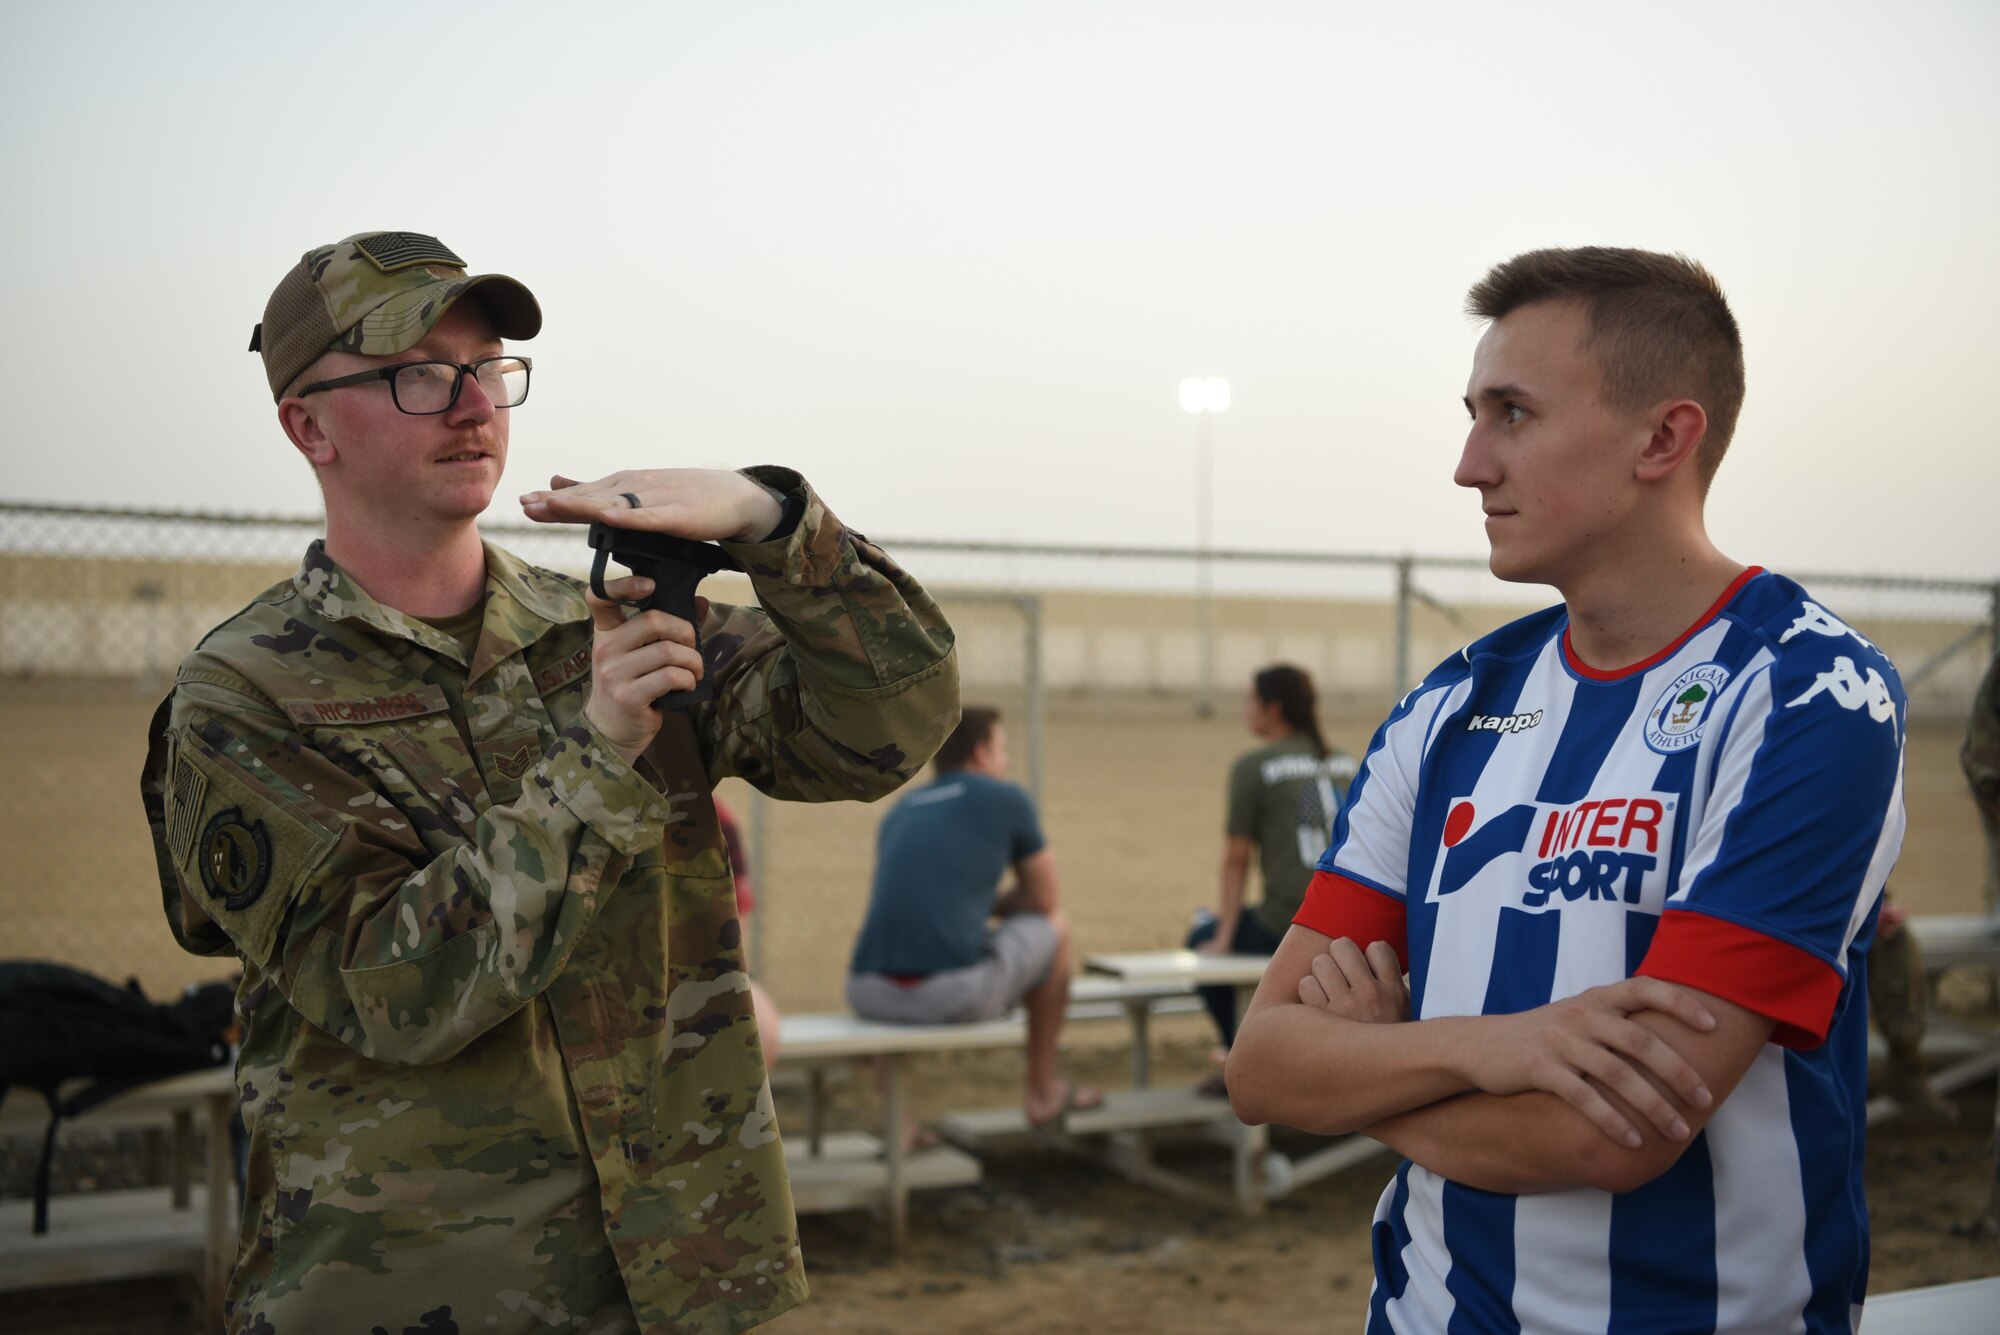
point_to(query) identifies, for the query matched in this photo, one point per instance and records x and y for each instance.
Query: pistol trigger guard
(597, 573)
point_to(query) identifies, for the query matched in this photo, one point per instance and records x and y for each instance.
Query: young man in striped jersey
(1629, 850)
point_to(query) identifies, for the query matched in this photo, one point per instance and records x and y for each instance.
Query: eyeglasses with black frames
(422, 389)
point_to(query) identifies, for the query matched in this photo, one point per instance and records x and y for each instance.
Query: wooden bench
(1259, 1174)
(858, 1169)
(1942, 1309)
(180, 1228)
(1957, 940)
(1960, 1054)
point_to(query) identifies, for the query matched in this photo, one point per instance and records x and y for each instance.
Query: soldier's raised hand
(705, 504)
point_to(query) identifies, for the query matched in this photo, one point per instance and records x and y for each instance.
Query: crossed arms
(1604, 1089)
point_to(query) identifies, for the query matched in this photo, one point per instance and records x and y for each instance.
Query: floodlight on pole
(1204, 396)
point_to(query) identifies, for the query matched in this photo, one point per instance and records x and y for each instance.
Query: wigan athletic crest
(1677, 717)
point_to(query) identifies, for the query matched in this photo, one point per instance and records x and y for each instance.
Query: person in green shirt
(1283, 797)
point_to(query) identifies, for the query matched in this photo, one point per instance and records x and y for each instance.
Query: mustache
(477, 439)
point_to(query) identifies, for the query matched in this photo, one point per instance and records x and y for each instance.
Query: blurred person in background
(1283, 797)
(944, 940)
(1899, 994)
(768, 1018)
(1980, 757)
(500, 1062)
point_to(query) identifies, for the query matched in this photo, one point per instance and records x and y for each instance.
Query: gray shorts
(1019, 954)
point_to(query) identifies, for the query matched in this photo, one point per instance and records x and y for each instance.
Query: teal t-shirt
(939, 859)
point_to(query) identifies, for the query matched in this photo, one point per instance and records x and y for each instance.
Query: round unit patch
(1677, 717)
(235, 858)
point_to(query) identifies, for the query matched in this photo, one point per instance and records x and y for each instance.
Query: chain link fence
(1119, 673)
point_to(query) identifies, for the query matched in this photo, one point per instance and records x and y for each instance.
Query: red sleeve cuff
(1756, 972)
(1335, 906)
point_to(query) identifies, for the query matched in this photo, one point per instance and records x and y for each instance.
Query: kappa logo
(1812, 617)
(1503, 723)
(1851, 690)
(1676, 721)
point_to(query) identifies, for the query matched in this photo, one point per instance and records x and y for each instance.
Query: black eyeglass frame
(389, 373)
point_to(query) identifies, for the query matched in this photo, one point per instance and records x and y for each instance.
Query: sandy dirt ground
(1046, 1243)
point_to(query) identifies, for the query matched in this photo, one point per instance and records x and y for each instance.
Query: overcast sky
(951, 260)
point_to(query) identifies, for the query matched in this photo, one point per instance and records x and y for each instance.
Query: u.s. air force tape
(235, 858)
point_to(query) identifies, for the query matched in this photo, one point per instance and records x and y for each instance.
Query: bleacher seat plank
(850, 1173)
(833, 1035)
(1937, 1310)
(1148, 1109)
(1954, 940)
(101, 1235)
(112, 1234)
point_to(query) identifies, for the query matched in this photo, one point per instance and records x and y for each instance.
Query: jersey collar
(1589, 673)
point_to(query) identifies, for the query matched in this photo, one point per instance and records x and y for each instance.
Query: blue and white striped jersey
(1722, 815)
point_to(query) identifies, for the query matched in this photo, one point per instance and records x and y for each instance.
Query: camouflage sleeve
(1981, 758)
(1980, 754)
(322, 882)
(844, 683)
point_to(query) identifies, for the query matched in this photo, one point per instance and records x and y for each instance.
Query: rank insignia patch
(235, 858)
(515, 763)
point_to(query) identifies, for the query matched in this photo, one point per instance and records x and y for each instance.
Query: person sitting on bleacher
(927, 953)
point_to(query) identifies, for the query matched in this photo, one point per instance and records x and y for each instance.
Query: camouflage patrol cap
(376, 293)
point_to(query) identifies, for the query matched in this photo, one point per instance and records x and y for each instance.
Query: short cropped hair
(975, 726)
(1659, 328)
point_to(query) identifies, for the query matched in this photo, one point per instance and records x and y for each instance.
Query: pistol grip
(674, 582)
(673, 593)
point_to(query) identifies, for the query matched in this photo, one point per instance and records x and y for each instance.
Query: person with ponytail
(1283, 797)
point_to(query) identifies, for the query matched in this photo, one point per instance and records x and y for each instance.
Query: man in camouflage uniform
(1898, 983)
(1981, 759)
(501, 1071)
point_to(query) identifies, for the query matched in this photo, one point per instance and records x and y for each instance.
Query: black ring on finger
(630, 499)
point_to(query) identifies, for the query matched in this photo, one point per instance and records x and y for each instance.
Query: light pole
(1204, 397)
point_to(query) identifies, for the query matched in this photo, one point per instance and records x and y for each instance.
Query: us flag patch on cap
(395, 251)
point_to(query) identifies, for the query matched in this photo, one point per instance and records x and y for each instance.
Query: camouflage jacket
(1981, 757)
(500, 1070)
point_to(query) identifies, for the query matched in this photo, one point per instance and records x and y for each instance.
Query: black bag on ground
(59, 1024)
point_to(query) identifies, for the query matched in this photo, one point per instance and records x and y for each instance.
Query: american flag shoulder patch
(190, 785)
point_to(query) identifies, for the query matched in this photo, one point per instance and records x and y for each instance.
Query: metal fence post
(1405, 589)
(1993, 643)
(1031, 616)
(1204, 703)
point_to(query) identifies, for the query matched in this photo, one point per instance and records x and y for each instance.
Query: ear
(1678, 429)
(302, 427)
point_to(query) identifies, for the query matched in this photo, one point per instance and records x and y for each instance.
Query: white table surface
(1187, 966)
(1972, 1307)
